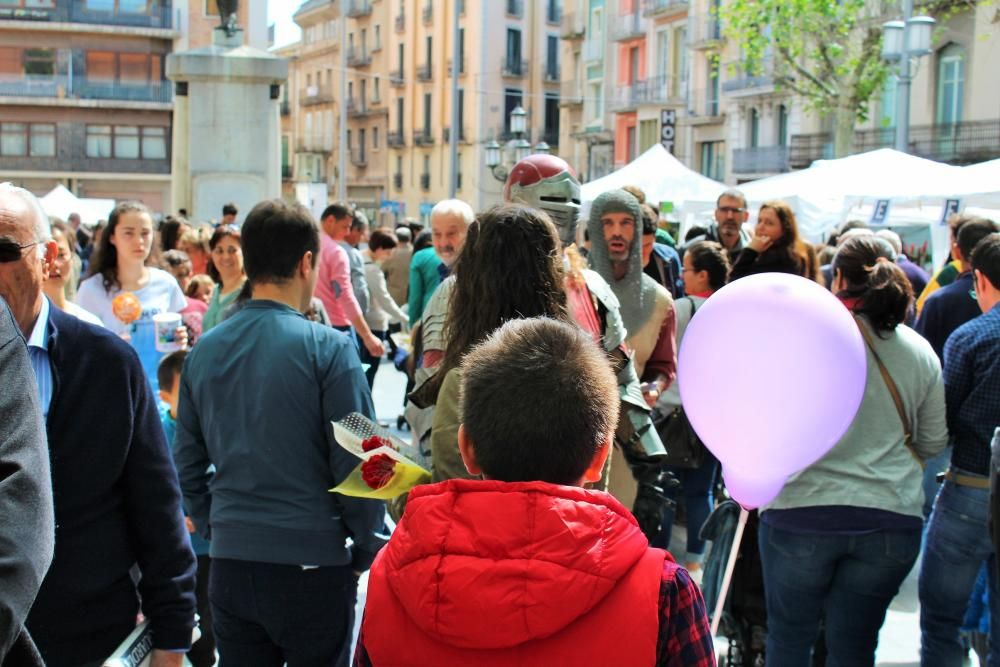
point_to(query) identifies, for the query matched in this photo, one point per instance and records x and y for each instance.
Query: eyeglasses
(12, 252)
(729, 210)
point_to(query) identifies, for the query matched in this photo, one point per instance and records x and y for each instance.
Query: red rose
(374, 442)
(378, 470)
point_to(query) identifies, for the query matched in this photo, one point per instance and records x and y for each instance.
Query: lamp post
(902, 42)
(519, 147)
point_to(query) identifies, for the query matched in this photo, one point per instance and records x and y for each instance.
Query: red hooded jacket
(490, 573)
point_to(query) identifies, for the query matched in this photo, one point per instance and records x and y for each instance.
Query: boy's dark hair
(986, 258)
(423, 240)
(229, 209)
(538, 400)
(971, 233)
(380, 240)
(169, 369)
(649, 219)
(695, 232)
(174, 259)
(338, 210)
(275, 236)
(710, 256)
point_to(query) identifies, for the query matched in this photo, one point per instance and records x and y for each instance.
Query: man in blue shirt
(258, 395)
(958, 539)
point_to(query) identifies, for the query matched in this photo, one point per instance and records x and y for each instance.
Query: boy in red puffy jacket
(525, 567)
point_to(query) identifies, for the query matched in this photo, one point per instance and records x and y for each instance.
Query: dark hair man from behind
(565, 573)
(276, 235)
(229, 212)
(986, 266)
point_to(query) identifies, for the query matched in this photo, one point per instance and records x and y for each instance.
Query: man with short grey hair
(117, 501)
(730, 215)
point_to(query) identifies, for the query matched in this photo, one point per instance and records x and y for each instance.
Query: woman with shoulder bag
(706, 267)
(844, 533)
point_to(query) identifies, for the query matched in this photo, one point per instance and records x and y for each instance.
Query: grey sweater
(870, 466)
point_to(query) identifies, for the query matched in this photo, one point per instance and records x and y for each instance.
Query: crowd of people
(188, 484)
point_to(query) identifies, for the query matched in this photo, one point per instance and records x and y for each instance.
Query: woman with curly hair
(777, 246)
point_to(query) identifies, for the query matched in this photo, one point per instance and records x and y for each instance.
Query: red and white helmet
(547, 182)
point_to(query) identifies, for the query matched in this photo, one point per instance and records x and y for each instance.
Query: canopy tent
(60, 202)
(662, 177)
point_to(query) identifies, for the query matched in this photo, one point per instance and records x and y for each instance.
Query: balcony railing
(315, 143)
(446, 134)
(573, 26)
(358, 57)
(657, 7)
(705, 103)
(571, 93)
(359, 158)
(738, 81)
(427, 13)
(396, 139)
(396, 78)
(551, 137)
(397, 181)
(425, 181)
(285, 108)
(515, 7)
(461, 66)
(423, 137)
(628, 26)
(82, 88)
(514, 68)
(400, 22)
(655, 90)
(160, 16)
(957, 143)
(357, 106)
(315, 95)
(424, 73)
(358, 8)
(761, 160)
(286, 171)
(552, 73)
(703, 32)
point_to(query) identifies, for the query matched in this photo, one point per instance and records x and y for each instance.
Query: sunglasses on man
(12, 252)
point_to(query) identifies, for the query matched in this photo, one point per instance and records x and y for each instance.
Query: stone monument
(227, 128)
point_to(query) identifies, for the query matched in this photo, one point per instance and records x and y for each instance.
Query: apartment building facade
(636, 66)
(83, 97)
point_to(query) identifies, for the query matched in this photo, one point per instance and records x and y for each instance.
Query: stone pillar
(227, 127)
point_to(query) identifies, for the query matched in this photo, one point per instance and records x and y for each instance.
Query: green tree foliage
(826, 51)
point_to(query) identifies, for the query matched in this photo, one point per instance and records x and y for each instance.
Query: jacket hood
(491, 564)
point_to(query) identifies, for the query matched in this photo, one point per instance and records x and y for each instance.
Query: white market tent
(60, 202)
(662, 177)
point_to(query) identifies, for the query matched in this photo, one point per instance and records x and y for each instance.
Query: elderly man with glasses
(730, 214)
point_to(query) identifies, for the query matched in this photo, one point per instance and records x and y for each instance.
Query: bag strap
(893, 390)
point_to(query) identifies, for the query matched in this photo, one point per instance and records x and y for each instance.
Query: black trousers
(268, 615)
(202, 653)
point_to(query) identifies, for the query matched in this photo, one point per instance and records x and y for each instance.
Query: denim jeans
(846, 580)
(932, 467)
(696, 484)
(269, 615)
(958, 543)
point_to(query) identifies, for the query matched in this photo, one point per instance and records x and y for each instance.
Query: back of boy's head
(971, 233)
(538, 401)
(170, 369)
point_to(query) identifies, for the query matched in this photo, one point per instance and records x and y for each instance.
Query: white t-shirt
(82, 314)
(161, 294)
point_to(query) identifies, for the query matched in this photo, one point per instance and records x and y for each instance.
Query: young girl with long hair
(119, 266)
(776, 246)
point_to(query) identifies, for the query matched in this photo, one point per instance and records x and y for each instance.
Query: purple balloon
(772, 370)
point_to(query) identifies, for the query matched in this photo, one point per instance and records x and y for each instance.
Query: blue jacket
(257, 398)
(946, 310)
(117, 504)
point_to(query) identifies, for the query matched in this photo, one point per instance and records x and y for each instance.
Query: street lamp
(904, 42)
(518, 147)
(543, 147)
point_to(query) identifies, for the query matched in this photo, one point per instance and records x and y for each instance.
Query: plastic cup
(166, 331)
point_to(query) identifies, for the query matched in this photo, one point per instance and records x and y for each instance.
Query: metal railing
(315, 95)
(627, 26)
(358, 57)
(552, 73)
(461, 66)
(396, 139)
(396, 78)
(446, 134)
(514, 68)
(573, 26)
(358, 8)
(705, 103)
(423, 137)
(315, 143)
(655, 7)
(737, 79)
(424, 72)
(703, 31)
(955, 143)
(400, 22)
(358, 157)
(285, 108)
(425, 181)
(79, 87)
(655, 90)
(160, 16)
(761, 160)
(397, 181)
